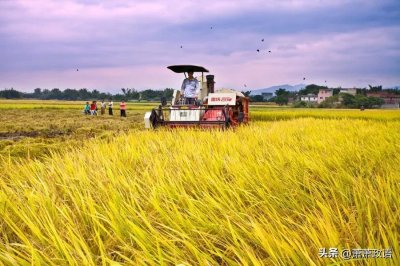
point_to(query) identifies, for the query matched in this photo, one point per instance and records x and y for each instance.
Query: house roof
(383, 94)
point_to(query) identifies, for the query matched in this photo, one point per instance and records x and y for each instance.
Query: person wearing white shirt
(103, 107)
(190, 89)
(110, 107)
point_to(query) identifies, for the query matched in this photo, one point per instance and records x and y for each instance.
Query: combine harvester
(220, 109)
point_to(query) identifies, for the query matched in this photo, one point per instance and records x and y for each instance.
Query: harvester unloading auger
(221, 109)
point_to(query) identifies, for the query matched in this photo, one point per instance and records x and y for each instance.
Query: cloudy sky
(129, 43)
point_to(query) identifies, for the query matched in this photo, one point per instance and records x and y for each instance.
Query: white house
(310, 98)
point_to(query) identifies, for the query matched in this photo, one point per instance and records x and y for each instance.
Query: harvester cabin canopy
(187, 68)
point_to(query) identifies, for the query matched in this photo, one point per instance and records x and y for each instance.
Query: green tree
(168, 93)
(300, 104)
(55, 94)
(375, 88)
(311, 89)
(83, 94)
(73, 95)
(347, 99)
(362, 91)
(10, 94)
(282, 96)
(37, 93)
(375, 102)
(256, 98)
(330, 102)
(281, 100)
(335, 91)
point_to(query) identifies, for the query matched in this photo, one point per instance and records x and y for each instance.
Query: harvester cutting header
(198, 105)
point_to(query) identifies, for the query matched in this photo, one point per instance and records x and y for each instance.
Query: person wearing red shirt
(122, 108)
(93, 108)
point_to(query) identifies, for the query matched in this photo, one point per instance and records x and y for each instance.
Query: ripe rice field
(99, 190)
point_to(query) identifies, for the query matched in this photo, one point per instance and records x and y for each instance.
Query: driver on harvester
(190, 89)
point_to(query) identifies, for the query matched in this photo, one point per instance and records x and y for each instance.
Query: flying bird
(77, 69)
(181, 46)
(245, 85)
(262, 40)
(269, 51)
(258, 50)
(304, 78)
(211, 28)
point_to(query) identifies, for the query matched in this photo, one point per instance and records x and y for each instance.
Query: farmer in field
(103, 107)
(122, 108)
(190, 88)
(93, 108)
(86, 109)
(110, 107)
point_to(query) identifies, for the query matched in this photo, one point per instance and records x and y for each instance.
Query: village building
(352, 91)
(310, 98)
(392, 100)
(323, 94)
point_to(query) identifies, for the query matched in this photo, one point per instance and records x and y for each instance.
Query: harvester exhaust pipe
(210, 83)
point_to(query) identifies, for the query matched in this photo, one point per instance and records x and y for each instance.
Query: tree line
(85, 94)
(337, 100)
(281, 97)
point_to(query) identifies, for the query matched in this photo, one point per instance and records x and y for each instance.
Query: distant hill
(274, 88)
